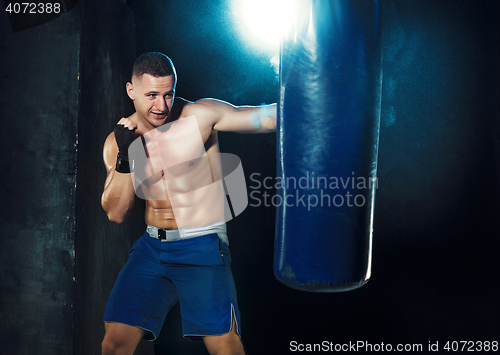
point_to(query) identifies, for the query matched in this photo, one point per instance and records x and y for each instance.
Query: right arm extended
(118, 196)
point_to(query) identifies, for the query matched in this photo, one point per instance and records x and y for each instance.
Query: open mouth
(159, 115)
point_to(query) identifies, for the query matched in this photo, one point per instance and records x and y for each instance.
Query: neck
(143, 125)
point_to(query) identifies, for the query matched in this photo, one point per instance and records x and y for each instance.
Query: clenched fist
(124, 135)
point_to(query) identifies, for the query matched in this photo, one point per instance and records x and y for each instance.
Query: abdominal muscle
(160, 214)
(197, 208)
(188, 195)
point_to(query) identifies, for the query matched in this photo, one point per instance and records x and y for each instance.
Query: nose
(160, 104)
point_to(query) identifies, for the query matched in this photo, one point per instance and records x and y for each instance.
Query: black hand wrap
(124, 137)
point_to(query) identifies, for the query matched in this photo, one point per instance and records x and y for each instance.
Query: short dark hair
(155, 64)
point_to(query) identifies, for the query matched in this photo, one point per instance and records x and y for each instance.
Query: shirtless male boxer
(188, 262)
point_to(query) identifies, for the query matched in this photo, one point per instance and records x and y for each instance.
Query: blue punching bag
(328, 131)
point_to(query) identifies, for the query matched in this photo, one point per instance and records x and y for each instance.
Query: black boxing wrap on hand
(124, 137)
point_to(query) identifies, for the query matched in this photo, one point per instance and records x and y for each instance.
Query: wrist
(122, 165)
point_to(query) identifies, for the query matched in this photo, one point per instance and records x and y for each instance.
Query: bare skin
(155, 106)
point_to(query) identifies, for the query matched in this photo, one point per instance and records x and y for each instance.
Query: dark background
(435, 270)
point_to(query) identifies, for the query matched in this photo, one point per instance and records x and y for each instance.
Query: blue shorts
(196, 272)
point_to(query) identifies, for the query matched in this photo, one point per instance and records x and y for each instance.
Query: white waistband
(172, 235)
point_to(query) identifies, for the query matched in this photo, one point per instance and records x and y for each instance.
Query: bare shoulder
(194, 108)
(207, 110)
(213, 104)
(110, 141)
(110, 151)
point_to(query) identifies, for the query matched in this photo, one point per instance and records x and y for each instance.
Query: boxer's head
(152, 87)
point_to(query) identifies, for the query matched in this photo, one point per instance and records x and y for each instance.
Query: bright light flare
(264, 21)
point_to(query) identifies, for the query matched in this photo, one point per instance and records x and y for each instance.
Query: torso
(160, 212)
(184, 192)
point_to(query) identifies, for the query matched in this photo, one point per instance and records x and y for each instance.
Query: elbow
(113, 215)
(116, 218)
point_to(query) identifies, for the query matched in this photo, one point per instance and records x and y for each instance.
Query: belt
(173, 235)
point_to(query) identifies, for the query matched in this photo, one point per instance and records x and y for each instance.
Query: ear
(130, 91)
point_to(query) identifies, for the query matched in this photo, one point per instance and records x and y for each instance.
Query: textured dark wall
(62, 91)
(107, 55)
(39, 70)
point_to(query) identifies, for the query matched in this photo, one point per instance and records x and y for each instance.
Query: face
(153, 97)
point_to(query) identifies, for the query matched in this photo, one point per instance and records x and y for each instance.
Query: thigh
(142, 294)
(207, 293)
